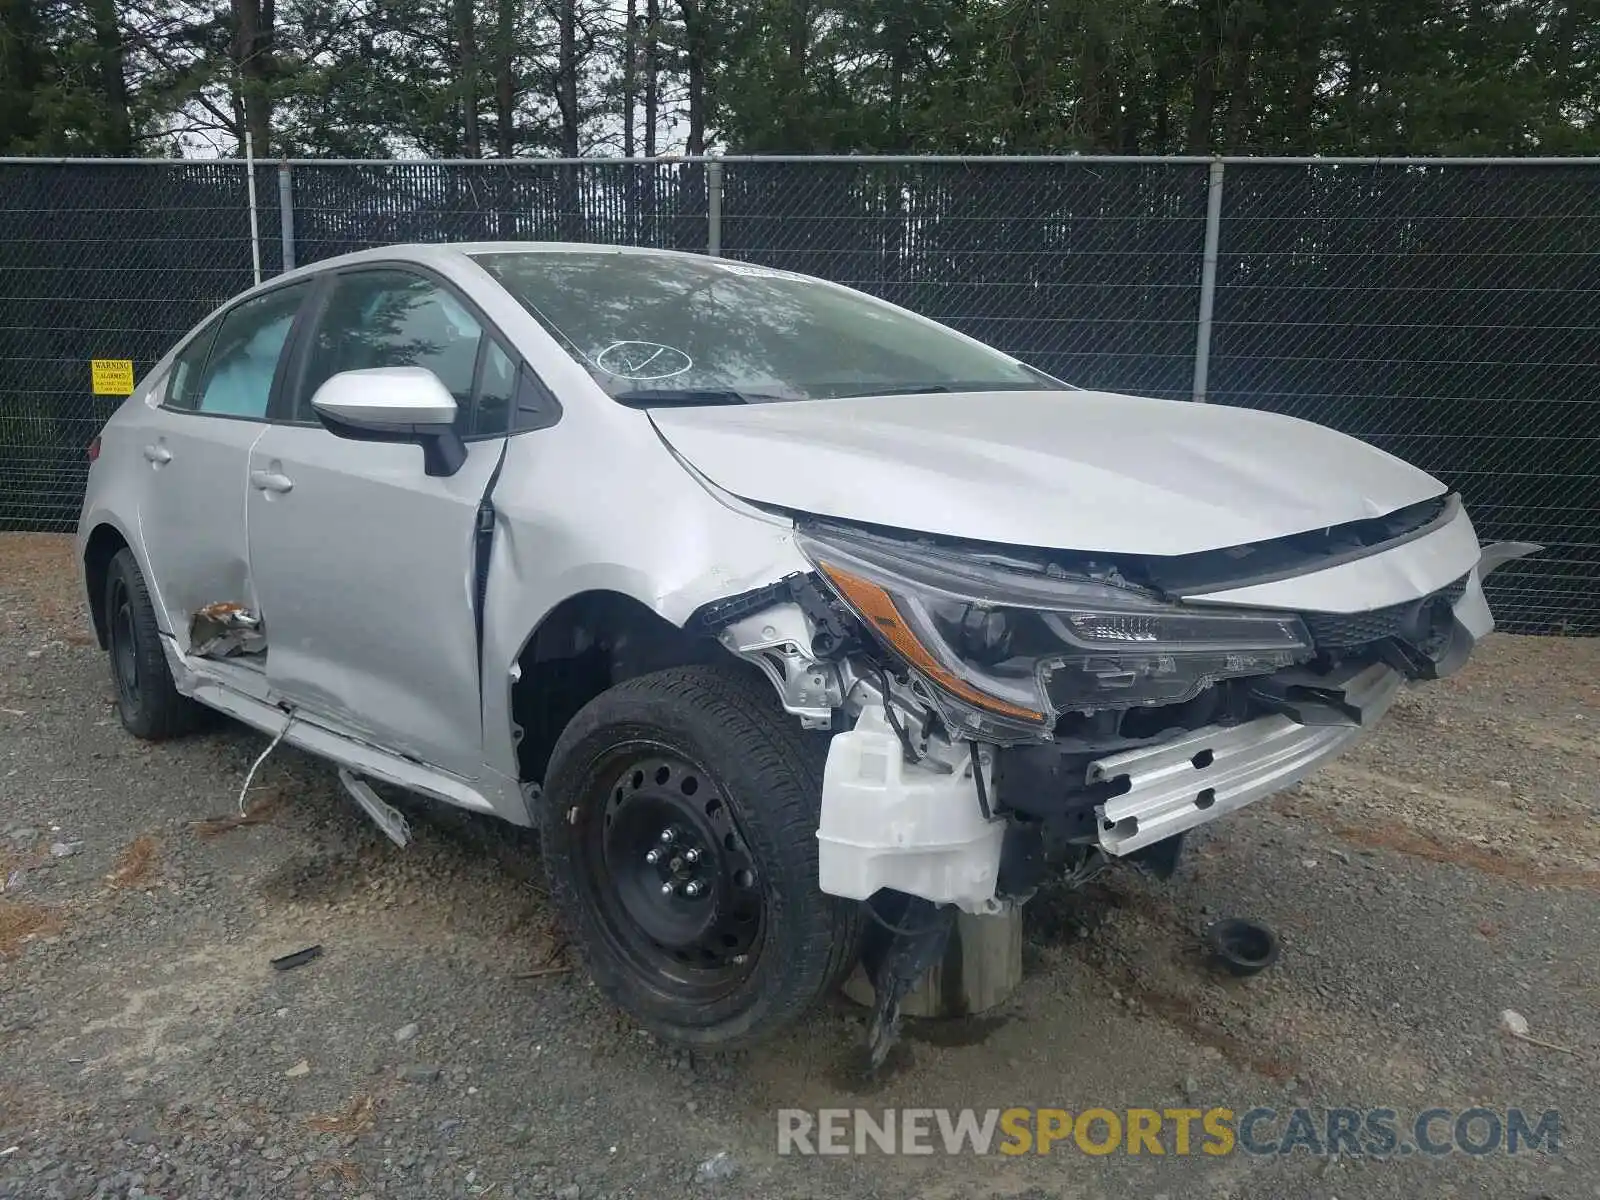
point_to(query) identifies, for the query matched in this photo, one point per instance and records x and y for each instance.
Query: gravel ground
(1445, 870)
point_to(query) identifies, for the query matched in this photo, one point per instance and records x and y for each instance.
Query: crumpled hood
(1091, 471)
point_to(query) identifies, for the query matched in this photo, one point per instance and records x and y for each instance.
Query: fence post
(714, 208)
(1208, 281)
(286, 214)
(250, 191)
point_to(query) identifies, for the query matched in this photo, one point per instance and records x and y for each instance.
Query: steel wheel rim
(124, 647)
(689, 911)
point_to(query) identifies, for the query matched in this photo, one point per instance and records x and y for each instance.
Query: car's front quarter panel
(597, 503)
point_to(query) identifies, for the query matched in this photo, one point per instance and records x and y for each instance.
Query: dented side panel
(365, 572)
(184, 475)
(638, 525)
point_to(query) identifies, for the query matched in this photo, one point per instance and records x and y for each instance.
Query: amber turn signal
(877, 607)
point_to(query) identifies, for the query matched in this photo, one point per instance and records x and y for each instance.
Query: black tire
(713, 736)
(147, 700)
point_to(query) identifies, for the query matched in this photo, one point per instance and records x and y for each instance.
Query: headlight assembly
(1005, 652)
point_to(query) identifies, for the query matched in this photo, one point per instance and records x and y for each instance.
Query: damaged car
(779, 610)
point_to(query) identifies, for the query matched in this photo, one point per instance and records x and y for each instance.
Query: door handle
(270, 481)
(157, 453)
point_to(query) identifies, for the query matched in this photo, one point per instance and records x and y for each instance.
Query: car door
(197, 446)
(363, 563)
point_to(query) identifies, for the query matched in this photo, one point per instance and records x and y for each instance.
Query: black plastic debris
(1241, 946)
(298, 959)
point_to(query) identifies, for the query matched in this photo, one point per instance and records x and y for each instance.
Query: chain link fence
(1444, 310)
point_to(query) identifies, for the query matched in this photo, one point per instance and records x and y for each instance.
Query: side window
(536, 407)
(497, 386)
(238, 375)
(183, 384)
(391, 318)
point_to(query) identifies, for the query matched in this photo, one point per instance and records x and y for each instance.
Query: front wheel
(679, 832)
(148, 702)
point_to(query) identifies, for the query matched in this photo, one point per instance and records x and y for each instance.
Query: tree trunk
(652, 74)
(505, 80)
(1241, 41)
(1135, 118)
(467, 65)
(1204, 89)
(1297, 137)
(696, 38)
(630, 77)
(1024, 114)
(799, 37)
(113, 78)
(22, 69)
(567, 75)
(798, 128)
(253, 52)
(1098, 117)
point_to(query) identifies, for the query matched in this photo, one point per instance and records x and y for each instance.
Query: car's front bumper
(917, 831)
(1198, 777)
(1178, 784)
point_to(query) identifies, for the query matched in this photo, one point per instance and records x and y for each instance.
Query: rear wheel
(147, 700)
(679, 832)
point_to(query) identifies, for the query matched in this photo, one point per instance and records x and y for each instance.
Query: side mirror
(394, 404)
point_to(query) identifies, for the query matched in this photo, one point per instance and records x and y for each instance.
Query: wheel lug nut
(666, 889)
(653, 857)
(693, 888)
(691, 855)
(667, 835)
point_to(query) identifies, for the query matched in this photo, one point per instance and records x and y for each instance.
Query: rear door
(363, 563)
(196, 448)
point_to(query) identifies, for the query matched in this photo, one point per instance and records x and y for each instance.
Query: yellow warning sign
(112, 376)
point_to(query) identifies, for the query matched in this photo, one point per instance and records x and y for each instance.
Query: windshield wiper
(687, 397)
(917, 389)
(664, 397)
(902, 389)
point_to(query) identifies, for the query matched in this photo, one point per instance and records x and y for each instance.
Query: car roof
(439, 253)
(433, 252)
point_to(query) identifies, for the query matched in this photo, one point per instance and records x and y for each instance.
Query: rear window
(649, 326)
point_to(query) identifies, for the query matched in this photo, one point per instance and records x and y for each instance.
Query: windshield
(662, 329)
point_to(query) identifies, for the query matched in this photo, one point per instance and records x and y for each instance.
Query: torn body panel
(225, 628)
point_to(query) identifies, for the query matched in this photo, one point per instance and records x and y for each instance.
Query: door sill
(241, 692)
(361, 757)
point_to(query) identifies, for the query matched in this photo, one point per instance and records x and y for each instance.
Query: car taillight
(94, 448)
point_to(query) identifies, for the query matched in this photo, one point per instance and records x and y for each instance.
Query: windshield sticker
(642, 360)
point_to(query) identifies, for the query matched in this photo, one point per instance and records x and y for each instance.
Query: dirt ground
(1445, 870)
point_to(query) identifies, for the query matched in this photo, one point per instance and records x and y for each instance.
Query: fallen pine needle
(356, 1118)
(256, 814)
(349, 1172)
(135, 863)
(541, 972)
(1533, 1041)
(19, 922)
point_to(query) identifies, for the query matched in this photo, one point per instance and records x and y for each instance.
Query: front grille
(1341, 631)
